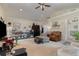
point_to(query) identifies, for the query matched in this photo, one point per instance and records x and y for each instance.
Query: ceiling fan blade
(47, 6)
(39, 3)
(37, 7)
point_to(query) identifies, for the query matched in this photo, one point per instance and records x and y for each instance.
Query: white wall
(25, 22)
(22, 22)
(1, 12)
(63, 20)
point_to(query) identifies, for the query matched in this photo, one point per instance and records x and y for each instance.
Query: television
(2, 29)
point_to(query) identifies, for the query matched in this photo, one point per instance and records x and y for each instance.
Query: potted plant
(76, 35)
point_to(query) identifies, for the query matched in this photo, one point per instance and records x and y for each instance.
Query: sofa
(54, 36)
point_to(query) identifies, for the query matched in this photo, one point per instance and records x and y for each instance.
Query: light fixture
(42, 6)
(20, 9)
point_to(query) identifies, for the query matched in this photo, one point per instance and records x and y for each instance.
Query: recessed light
(20, 9)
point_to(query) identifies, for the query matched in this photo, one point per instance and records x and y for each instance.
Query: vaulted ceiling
(28, 11)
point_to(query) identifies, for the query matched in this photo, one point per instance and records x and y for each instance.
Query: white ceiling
(29, 12)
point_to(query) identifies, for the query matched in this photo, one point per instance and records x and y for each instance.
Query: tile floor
(34, 49)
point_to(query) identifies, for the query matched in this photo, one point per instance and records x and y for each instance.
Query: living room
(40, 29)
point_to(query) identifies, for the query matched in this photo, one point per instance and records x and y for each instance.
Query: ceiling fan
(42, 6)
